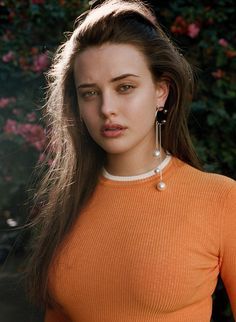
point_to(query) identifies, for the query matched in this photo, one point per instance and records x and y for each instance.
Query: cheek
(87, 112)
(144, 111)
(144, 102)
(90, 119)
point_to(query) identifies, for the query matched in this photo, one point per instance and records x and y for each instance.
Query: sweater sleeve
(228, 247)
(52, 315)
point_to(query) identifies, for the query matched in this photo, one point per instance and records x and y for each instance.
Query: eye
(88, 94)
(126, 88)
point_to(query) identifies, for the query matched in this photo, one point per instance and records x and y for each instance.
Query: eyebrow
(115, 79)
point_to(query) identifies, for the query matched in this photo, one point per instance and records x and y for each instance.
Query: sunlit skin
(115, 86)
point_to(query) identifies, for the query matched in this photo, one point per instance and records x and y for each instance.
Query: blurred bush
(30, 31)
(206, 33)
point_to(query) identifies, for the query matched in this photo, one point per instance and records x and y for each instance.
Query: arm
(228, 247)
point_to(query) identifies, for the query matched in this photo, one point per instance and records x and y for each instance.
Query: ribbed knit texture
(140, 255)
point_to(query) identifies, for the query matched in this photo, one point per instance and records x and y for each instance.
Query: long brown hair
(77, 159)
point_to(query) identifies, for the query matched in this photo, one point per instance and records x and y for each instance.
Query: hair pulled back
(77, 159)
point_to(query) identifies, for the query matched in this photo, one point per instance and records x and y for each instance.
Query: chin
(114, 150)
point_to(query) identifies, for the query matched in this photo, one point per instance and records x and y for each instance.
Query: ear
(162, 92)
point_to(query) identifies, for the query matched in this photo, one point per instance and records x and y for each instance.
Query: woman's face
(118, 98)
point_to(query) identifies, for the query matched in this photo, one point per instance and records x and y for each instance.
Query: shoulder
(209, 183)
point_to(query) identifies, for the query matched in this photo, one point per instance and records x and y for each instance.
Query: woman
(130, 228)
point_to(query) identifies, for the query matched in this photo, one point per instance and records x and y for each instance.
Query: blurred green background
(31, 30)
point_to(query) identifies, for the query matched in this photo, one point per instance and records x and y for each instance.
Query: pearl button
(161, 186)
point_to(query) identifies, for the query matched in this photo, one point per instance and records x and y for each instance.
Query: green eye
(89, 94)
(126, 88)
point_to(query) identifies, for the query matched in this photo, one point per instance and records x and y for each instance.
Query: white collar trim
(148, 174)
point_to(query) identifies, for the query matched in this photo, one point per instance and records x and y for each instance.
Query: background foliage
(29, 33)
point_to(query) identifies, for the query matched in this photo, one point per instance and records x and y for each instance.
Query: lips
(112, 127)
(112, 130)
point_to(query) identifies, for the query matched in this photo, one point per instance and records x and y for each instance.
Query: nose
(108, 105)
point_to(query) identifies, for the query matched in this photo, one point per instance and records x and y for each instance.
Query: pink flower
(10, 127)
(223, 42)
(5, 101)
(17, 111)
(179, 26)
(40, 63)
(31, 117)
(33, 134)
(8, 57)
(193, 30)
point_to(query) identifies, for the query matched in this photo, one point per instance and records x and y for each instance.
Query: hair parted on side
(77, 159)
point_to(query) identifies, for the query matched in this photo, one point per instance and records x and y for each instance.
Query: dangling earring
(157, 151)
(160, 120)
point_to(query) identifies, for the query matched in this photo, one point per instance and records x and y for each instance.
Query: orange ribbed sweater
(139, 255)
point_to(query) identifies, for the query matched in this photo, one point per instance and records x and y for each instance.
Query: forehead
(110, 60)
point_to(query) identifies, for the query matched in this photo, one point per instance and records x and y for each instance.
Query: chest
(155, 255)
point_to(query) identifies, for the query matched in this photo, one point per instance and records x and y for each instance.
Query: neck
(131, 165)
